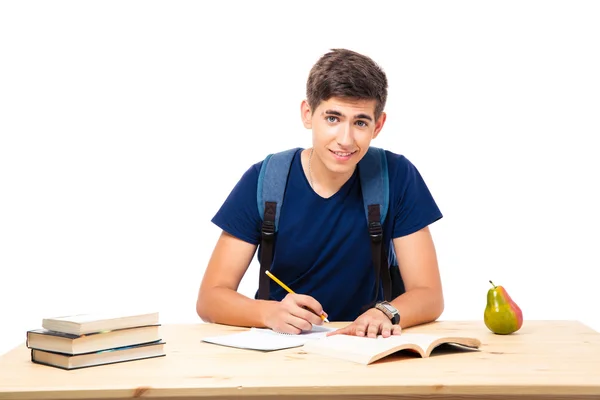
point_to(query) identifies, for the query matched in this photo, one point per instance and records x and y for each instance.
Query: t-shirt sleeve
(239, 215)
(414, 206)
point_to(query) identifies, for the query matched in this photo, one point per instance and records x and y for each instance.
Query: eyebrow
(339, 114)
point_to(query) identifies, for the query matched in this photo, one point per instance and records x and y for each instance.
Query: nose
(345, 137)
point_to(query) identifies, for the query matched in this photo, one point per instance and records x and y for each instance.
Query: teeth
(342, 154)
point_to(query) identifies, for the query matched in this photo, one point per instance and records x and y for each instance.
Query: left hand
(371, 323)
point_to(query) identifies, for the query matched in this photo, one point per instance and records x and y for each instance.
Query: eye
(331, 118)
(362, 124)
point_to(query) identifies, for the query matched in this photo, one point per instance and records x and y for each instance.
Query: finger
(346, 330)
(311, 316)
(307, 315)
(294, 308)
(386, 329)
(287, 328)
(342, 331)
(320, 316)
(298, 322)
(373, 329)
(396, 330)
(310, 302)
(360, 327)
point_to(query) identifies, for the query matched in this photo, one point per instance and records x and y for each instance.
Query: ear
(306, 114)
(379, 124)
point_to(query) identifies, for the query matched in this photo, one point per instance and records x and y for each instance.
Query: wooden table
(545, 360)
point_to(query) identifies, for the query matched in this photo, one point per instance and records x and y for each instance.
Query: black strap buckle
(375, 231)
(268, 229)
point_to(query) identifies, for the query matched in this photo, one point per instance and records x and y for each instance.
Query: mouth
(343, 155)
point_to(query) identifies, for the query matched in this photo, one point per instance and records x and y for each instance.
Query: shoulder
(239, 215)
(399, 165)
(280, 159)
(252, 176)
(253, 171)
(400, 172)
(247, 183)
(406, 181)
(413, 202)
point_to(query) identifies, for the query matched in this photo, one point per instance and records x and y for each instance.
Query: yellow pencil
(283, 285)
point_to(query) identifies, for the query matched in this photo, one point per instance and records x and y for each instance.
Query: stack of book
(87, 340)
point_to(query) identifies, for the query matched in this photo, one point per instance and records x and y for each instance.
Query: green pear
(502, 315)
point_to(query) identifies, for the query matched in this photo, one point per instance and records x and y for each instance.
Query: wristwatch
(389, 310)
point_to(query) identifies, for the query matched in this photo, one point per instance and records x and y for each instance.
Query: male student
(322, 249)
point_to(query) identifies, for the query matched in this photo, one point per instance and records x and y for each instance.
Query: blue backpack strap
(374, 180)
(272, 181)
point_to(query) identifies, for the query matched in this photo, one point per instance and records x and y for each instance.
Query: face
(342, 131)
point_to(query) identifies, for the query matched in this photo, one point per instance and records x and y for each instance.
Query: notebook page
(266, 339)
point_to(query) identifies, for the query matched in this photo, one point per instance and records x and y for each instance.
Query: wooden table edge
(556, 391)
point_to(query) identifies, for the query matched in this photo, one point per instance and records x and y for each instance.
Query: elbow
(438, 306)
(433, 304)
(202, 308)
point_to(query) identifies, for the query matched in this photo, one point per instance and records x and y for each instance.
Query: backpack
(373, 173)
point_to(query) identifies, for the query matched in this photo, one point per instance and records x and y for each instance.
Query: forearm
(418, 306)
(226, 306)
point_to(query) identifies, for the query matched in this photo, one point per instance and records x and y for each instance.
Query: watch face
(389, 308)
(390, 311)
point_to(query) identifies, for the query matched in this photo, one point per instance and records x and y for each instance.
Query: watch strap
(393, 316)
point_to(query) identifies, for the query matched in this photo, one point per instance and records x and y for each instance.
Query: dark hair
(347, 74)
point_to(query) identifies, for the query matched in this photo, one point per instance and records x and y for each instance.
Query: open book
(267, 339)
(365, 350)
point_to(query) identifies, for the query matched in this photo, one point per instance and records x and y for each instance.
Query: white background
(124, 125)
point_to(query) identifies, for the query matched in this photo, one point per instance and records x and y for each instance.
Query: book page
(420, 339)
(376, 345)
(363, 349)
(99, 316)
(366, 350)
(267, 339)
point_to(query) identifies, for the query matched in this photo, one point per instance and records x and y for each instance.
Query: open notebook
(267, 339)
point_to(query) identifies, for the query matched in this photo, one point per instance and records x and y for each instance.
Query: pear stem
(493, 284)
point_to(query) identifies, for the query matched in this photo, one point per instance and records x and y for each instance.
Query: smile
(342, 154)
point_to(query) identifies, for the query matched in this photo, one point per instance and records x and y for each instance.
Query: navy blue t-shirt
(322, 248)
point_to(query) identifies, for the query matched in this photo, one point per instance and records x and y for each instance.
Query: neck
(323, 181)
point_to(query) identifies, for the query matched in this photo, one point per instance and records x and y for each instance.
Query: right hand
(293, 314)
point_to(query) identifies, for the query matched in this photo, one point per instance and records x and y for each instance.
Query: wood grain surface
(544, 360)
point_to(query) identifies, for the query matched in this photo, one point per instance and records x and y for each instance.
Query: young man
(322, 248)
